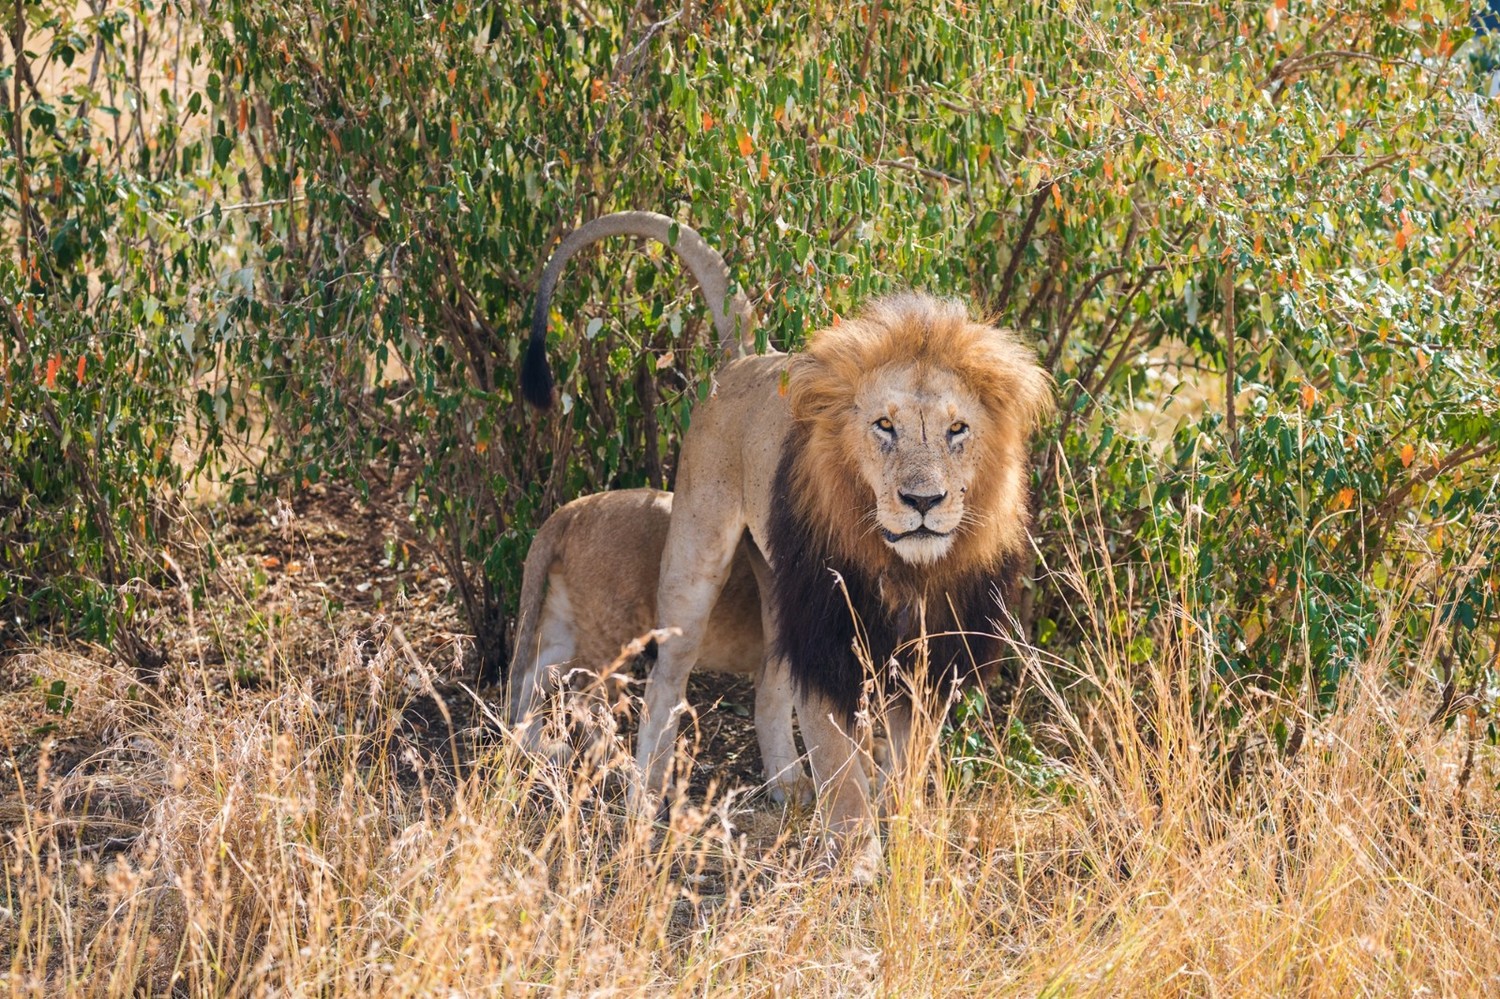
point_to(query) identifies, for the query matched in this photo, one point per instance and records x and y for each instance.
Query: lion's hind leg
(541, 676)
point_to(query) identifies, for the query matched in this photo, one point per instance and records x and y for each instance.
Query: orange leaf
(708, 121)
(452, 76)
(244, 116)
(1109, 170)
(1343, 131)
(783, 382)
(1309, 396)
(53, 363)
(1422, 361)
(270, 562)
(746, 146)
(765, 165)
(453, 131)
(1407, 454)
(1346, 498)
(1030, 88)
(82, 360)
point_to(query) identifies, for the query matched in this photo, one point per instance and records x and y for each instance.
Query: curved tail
(733, 318)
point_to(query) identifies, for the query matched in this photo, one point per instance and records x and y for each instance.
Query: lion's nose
(922, 504)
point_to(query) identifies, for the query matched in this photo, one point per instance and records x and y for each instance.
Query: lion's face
(913, 422)
(915, 433)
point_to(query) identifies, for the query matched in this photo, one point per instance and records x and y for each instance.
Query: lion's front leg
(785, 779)
(839, 772)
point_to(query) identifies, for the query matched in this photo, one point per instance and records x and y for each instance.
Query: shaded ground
(268, 596)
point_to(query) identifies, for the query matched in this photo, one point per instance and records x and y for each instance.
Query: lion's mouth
(920, 532)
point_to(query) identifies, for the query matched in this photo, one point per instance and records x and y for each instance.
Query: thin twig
(1231, 427)
(243, 206)
(924, 171)
(1007, 283)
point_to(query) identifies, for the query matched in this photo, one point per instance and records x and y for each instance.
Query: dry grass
(312, 836)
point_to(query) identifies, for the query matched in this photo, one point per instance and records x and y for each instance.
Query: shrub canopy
(1255, 243)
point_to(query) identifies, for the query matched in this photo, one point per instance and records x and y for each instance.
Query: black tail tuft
(536, 373)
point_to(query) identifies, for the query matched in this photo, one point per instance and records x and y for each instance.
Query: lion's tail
(540, 557)
(733, 318)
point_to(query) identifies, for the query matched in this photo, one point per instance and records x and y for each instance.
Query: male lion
(882, 470)
(588, 590)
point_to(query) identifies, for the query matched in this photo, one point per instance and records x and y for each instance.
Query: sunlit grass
(313, 837)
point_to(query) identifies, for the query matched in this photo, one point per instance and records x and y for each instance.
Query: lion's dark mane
(816, 632)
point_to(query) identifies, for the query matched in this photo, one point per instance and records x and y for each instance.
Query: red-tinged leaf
(708, 121)
(82, 361)
(746, 146)
(244, 116)
(53, 363)
(784, 382)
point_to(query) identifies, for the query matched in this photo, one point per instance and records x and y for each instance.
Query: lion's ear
(814, 389)
(1035, 400)
(1015, 377)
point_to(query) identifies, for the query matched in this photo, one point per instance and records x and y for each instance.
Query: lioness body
(589, 587)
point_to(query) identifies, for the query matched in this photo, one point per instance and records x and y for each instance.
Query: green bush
(105, 298)
(1256, 244)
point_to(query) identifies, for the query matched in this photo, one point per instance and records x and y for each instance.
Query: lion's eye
(885, 426)
(959, 427)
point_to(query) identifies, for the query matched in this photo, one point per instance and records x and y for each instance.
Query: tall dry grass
(314, 838)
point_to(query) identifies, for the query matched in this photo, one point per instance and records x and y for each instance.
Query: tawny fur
(588, 590)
